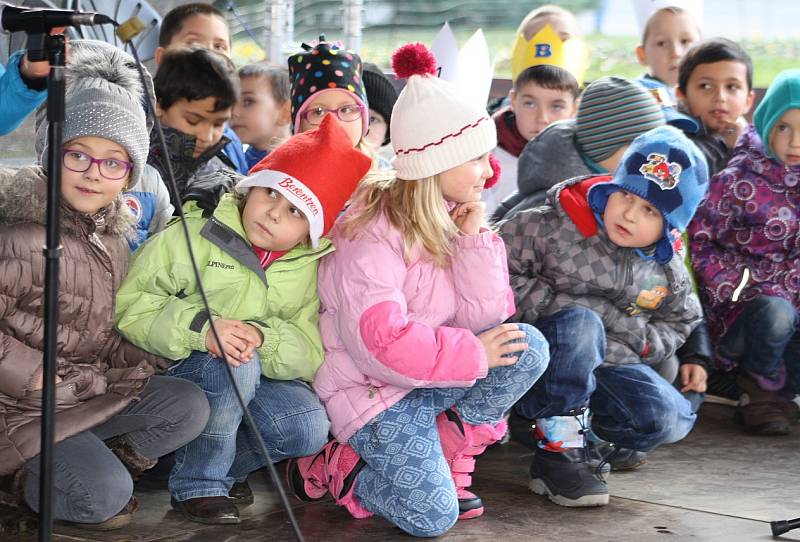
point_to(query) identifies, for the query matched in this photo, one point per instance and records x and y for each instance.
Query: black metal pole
(782, 527)
(52, 252)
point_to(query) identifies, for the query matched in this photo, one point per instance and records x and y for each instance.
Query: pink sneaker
(333, 469)
(461, 443)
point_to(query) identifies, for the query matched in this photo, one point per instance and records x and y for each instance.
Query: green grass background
(610, 55)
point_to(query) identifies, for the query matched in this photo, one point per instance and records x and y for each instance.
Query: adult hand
(469, 216)
(37, 70)
(496, 342)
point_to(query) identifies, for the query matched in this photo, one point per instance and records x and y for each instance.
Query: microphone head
(130, 29)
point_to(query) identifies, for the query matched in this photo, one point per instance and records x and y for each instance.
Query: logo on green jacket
(220, 265)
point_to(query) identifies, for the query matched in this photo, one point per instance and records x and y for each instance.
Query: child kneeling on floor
(419, 368)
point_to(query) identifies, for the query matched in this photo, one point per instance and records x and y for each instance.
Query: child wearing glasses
(114, 418)
(258, 253)
(327, 80)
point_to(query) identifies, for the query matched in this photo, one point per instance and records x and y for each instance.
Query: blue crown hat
(665, 168)
(664, 96)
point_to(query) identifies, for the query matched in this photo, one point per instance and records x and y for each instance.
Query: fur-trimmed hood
(23, 198)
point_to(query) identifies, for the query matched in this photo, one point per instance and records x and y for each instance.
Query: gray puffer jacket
(559, 258)
(547, 159)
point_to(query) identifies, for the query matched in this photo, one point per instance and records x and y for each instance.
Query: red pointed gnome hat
(317, 171)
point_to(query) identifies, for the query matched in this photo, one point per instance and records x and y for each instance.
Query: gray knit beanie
(104, 99)
(613, 112)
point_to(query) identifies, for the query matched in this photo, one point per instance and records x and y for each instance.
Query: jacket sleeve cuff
(484, 238)
(270, 345)
(483, 361)
(29, 87)
(197, 341)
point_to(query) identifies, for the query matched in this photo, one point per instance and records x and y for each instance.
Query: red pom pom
(413, 59)
(494, 163)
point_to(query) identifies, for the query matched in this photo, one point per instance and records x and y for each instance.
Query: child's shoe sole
(297, 483)
(538, 486)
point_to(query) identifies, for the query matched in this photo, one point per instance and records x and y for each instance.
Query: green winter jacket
(160, 310)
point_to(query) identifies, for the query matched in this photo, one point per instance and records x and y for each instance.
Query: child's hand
(239, 341)
(38, 382)
(693, 378)
(496, 343)
(469, 216)
(730, 131)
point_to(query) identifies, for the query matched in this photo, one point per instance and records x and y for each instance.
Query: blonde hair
(543, 11)
(675, 10)
(415, 207)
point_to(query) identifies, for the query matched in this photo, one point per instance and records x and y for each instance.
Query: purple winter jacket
(749, 220)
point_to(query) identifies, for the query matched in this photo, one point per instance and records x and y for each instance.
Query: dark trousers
(90, 483)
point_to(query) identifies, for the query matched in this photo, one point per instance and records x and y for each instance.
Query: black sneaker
(568, 478)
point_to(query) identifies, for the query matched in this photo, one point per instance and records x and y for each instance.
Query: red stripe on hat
(443, 139)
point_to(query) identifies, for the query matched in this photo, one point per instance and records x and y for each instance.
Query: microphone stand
(42, 46)
(782, 527)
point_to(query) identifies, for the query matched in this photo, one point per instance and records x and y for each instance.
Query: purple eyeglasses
(110, 168)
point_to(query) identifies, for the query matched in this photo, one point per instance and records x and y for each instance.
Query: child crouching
(419, 368)
(596, 271)
(744, 243)
(258, 257)
(113, 418)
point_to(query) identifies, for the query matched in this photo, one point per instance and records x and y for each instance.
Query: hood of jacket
(571, 197)
(549, 158)
(751, 155)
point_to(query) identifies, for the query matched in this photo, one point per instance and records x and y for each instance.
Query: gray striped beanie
(613, 112)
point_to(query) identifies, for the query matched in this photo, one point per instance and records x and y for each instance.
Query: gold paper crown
(546, 47)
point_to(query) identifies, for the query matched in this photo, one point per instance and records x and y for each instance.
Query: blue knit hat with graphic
(665, 168)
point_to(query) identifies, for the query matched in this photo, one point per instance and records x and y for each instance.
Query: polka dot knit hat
(323, 68)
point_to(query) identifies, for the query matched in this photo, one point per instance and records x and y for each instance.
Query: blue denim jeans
(292, 422)
(632, 405)
(288, 415)
(764, 341)
(406, 478)
(90, 484)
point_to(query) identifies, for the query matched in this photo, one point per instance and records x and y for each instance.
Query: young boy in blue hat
(598, 270)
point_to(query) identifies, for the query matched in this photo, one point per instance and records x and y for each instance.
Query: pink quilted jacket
(389, 326)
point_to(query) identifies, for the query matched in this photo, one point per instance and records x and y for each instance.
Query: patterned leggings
(406, 478)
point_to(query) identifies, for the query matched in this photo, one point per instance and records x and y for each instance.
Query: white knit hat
(434, 125)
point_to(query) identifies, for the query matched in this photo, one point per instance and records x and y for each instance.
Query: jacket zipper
(627, 278)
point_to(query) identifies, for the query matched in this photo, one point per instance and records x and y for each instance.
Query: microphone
(130, 29)
(42, 21)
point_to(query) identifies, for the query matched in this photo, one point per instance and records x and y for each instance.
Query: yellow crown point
(547, 48)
